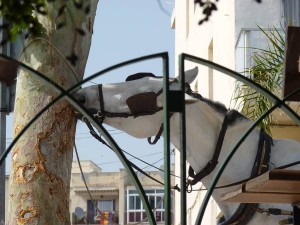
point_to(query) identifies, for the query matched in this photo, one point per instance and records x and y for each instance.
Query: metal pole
(167, 163)
(182, 144)
(296, 213)
(3, 110)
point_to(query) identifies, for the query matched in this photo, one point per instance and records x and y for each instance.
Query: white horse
(204, 120)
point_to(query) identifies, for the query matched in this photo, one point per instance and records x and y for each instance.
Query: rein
(97, 137)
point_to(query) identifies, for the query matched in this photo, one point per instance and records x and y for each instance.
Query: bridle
(102, 113)
(211, 165)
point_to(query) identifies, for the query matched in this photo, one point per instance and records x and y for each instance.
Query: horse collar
(211, 165)
(245, 211)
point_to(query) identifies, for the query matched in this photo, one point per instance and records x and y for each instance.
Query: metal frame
(277, 103)
(66, 94)
(170, 105)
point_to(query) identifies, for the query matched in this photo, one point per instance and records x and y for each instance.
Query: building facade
(111, 198)
(227, 39)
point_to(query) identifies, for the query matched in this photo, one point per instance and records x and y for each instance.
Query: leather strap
(159, 133)
(245, 211)
(157, 137)
(211, 165)
(100, 93)
(97, 137)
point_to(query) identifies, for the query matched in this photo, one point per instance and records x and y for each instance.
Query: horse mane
(233, 115)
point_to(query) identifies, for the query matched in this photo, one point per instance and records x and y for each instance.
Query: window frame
(135, 214)
(291, 12)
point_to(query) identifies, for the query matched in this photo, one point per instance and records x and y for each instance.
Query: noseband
(138, 104)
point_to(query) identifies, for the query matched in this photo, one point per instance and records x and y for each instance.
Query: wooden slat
(276, 186)
(260, 197)
(281, 181)
(292, 63)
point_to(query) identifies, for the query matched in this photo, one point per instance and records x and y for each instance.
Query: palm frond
(267, 70)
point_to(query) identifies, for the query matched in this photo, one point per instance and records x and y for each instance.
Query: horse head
(134, 106)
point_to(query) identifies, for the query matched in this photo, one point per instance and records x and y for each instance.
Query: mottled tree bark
(42, 159)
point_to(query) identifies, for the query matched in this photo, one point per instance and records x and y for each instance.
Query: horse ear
(191, 75)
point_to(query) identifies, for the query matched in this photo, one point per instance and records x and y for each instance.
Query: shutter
(90, 211)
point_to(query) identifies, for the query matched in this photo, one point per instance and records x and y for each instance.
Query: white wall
(198, 40)
(249, 14)
(215, 40)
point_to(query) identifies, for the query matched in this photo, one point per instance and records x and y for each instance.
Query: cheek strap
(101, 101)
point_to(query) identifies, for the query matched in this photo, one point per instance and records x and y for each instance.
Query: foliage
(19, 16)
(267, 70)
(209, 7)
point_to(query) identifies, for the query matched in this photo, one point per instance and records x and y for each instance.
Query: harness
(245, 211)
(145, 104)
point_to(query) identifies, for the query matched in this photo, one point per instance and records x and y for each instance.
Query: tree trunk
(42, 158)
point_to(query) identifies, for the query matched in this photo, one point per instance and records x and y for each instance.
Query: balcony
(106, 218)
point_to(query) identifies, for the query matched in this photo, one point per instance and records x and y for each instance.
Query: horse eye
(81, 99)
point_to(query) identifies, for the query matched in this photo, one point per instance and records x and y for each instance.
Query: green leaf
(267, 70)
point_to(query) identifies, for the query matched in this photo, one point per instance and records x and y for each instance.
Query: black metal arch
(168, 107)
(66, 94)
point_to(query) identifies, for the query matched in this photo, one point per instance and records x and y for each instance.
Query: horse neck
(202, 127)
(203, 124)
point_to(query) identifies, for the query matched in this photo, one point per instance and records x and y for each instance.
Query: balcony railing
(106, 218)
(249, 41)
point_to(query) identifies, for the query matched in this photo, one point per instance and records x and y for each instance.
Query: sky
(123, 30)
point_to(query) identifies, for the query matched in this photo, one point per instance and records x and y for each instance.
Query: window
(211, 71)
(187, 18)
(291, 12)
(105, 206)
(135, 210)
(249, 40)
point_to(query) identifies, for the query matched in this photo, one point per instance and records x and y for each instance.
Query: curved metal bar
(183, 193)
(163, 55)
(245, 80)
(277, 103)
(166, 134)
(84, 112)
(222, 167)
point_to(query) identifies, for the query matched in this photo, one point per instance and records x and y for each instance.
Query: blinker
(143, 102)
